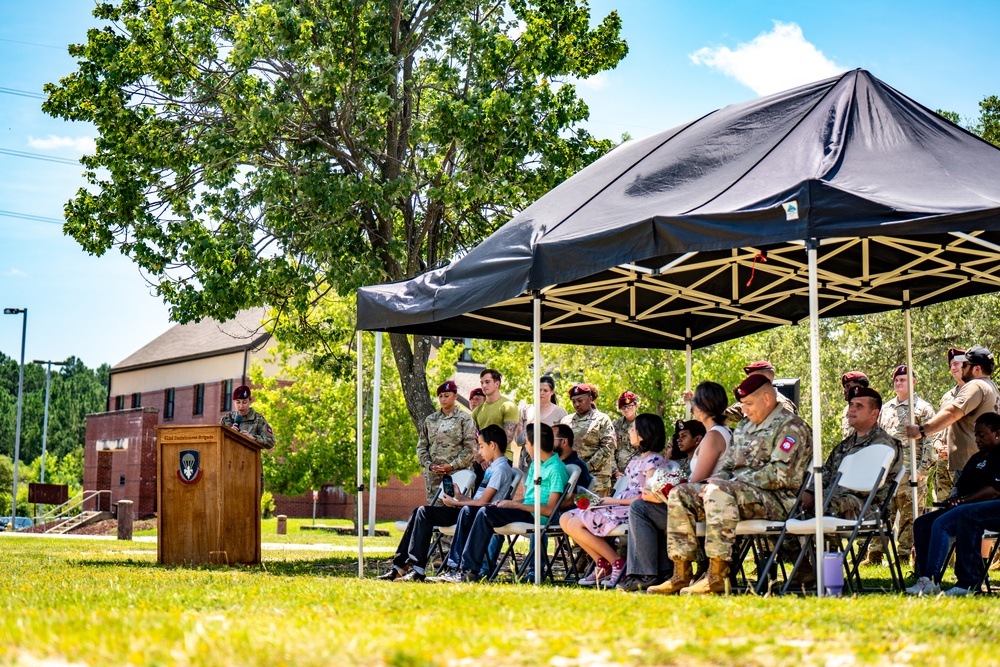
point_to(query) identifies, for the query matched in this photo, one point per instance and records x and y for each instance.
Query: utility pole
(45, 419)
(20, 401)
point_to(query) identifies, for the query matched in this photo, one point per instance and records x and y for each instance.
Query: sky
(685, 59)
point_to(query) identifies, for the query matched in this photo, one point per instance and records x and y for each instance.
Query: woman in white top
(708, 406)
(551, 414)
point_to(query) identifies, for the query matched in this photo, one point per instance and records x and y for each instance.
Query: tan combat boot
(714, 581)
(682, 577)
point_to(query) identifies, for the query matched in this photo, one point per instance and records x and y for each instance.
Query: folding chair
(512, 531)
(861, 472)
(463, 480)
(571, 557)
(988, 535)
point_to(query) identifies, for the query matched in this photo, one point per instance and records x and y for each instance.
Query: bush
(266, 505)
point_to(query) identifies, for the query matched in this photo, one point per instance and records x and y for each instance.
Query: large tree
(255, 152)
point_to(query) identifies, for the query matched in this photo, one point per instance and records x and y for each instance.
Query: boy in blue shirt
(476, 538)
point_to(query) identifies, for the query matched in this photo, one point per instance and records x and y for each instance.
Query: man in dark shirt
(564, 448)
(971, 508)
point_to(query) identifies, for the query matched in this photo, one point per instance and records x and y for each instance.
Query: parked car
(21, 523)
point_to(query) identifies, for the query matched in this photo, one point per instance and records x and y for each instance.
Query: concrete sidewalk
(265, 546)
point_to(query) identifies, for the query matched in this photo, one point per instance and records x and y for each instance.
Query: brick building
(186, 376)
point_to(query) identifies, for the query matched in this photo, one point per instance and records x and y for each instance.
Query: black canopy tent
(836, 198)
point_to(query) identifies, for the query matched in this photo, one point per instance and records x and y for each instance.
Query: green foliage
(269, 153)
(6, 483)
(266, 505)
(315, 416)
(75, 392)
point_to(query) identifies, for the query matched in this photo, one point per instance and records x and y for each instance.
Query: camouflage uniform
(624, 451)
(846, 430)
(845, 503)
(594, 441)
(445, 439)
(253, 425)
(734, 413)
(763, 468)
(894, 418)
(941, 475)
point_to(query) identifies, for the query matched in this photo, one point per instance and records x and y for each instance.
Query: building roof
(197, 340)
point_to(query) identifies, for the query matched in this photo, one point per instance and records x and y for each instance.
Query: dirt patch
(110, 527)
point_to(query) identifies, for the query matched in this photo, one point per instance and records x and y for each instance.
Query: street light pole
(45, 418)
(20, 401)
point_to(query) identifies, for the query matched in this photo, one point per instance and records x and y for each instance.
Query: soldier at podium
(248, 421)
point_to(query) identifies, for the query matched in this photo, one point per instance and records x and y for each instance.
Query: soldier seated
(760, 477)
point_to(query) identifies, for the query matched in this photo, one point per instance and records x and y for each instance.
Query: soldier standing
(894, 419)
(850, 380)
(942, 439)
(593, 436)
(628, 405)
(761, 474)
(447, 440)
(246, 420)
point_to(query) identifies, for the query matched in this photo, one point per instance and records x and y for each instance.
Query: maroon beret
(861, 392)
(627, 398)
(581, 388)
(447, 386)
(241, 392)
(749, 386)
(954, 352)
(854, 376)
(758, 366)
(477, 392)
(900, 370)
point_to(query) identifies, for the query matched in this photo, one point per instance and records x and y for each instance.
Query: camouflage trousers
(432, 482)
(845, 505)
(942, 480)
(721, 506)
(902, 509)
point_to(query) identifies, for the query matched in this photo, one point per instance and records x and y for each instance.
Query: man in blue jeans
(472, 538)
(972, 508)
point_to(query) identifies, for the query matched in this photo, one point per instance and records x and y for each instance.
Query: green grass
(295, 534)
(109, 603)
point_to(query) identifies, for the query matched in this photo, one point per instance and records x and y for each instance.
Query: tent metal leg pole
(817, 420)
(910, 399)
(687, 373)
(536, 321)
(361, 466)
(376, 412)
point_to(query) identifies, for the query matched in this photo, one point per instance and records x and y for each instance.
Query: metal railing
(63, 511)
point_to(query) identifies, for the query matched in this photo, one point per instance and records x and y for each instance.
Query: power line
(37, 156)
(29, 216)
(44, 46)
(22, 93)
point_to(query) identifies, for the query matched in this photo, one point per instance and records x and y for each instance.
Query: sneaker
(449, 577)
(617, 570)
(412, 575)
(470, 577)
(924, 586)
(590, 579)
(634, 583)
(391, 575)
(958, 592)
(438, 574)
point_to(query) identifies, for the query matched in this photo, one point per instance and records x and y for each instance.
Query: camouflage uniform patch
(445, 439)
(594, 441)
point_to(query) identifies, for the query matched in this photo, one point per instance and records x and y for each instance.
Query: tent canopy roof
(654, 244)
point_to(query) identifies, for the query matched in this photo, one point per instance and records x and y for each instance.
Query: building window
(137, 400)
(199, 399)
(227, 395)
(168, 403)
(120, 402)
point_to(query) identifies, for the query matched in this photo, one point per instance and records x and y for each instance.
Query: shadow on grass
(327, 566)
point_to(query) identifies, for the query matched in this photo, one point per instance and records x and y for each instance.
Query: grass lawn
(108, 603)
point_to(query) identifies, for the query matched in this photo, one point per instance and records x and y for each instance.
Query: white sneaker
(591, 579)
(924, 586)
(957, 592)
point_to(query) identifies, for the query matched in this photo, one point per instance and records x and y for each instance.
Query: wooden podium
(208, 496)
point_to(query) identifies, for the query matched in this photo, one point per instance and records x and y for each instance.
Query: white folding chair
(463, 480)
(864, 471)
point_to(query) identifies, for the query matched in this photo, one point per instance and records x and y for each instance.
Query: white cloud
(772, 62)
(52, 142)
(14, 273)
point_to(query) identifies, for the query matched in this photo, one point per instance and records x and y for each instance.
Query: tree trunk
(412, 365)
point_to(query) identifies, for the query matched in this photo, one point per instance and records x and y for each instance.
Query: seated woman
(588, 527)
(933, 532)
(708, 407)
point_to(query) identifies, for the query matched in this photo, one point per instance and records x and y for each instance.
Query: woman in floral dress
(589, 525)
